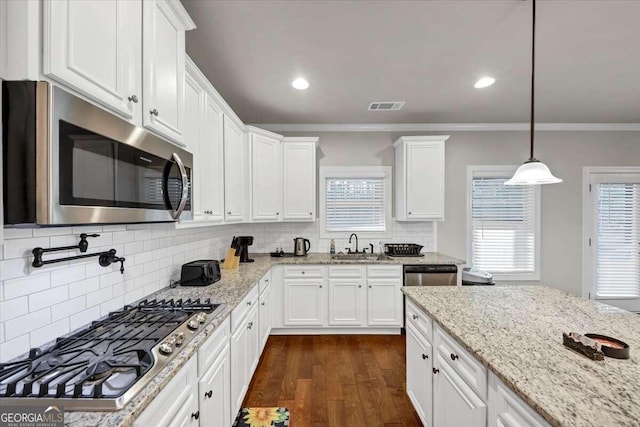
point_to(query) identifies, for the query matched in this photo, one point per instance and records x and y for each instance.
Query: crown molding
(446, 127)
(182, 14)
(263, 132)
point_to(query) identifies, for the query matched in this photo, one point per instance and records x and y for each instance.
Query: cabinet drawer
(467, 366)
(346, 271)
(419, 319)
(243, 308)
(264, 282)
(304, 271)
(212, 346)
(384, 271)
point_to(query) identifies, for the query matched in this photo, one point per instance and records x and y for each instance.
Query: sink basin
(360, 257)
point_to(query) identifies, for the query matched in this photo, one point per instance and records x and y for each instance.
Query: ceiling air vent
(386, 106)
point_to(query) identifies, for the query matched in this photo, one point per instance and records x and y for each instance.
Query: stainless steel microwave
(66, 161)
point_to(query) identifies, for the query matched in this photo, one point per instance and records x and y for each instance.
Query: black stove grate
(103, 360)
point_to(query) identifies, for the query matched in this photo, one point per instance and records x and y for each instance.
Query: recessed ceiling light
(300, 83)
(484, 82)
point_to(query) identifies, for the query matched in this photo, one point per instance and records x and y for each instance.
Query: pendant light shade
(533, 171)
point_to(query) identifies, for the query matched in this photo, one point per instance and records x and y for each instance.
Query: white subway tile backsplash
(84, 317)
(26, 285)
(84, 287)
(123, 237)
(49, 333)
(97, 297)
(17, 233)
(51, 231)
(29, 322)
(14, 348)
(67, 308)
(20, 248)
(13, 308)
(111, 305)
(133, 248)
(110, 279)
(68, 275)
(48, 298)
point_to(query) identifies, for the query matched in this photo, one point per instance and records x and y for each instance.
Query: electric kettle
(301, 246)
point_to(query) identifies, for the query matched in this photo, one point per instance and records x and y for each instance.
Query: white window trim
(588, 174)
(502, 170)
(356, 172)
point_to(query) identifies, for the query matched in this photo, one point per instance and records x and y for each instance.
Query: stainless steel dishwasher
(430, 275)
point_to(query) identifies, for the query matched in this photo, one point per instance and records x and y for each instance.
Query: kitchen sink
(361, 257)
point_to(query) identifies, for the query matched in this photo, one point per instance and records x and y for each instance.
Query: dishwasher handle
(430, 268)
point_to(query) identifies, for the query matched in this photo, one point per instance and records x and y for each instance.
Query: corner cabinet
(419, 173)
(265, 171)
(299, 179)
(234, 171)
(96, 48)
(164, 23)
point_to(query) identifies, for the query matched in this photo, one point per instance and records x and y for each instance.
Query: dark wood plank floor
(335, 380)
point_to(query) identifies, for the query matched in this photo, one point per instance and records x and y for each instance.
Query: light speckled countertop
(231, 289)
(516, 332)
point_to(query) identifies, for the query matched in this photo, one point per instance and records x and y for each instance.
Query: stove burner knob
(179, 337)
(201, 317)
(166, 348)
(193, 324)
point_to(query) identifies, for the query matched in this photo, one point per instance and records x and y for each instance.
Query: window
(613, 216)
(355, 199)
(503, 224)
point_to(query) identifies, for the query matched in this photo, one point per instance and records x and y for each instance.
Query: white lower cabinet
(454, 402)
(419, 374)
(384, 306)
(214, 386)
(265, 313)
(508, 410)
(177, 403)
(347, 302)
(304, 302)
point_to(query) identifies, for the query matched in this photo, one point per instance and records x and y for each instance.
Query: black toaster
(200, 273)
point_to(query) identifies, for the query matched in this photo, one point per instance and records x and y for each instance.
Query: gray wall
(564, 152)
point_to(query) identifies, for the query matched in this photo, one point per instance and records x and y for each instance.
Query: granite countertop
(516, 332)
(231, 289)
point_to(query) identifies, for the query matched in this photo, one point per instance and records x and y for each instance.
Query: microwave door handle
(185, 186)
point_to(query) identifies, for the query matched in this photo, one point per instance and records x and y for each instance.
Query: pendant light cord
(533, 75)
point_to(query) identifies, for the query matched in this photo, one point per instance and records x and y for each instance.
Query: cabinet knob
(277, 213)
(359, 286)
(320, 286)
(195, 415)
(209, 394)
(302, 272)
(248, 302)
(409, 213)
(425, 356)
(415, 316)
(250, 325)
(266, 280)
(228, 213)
(453, 356)
(133, 99)
(436, 370)
(154, 112)
(370, 286)
(262, 304)
(310, 213)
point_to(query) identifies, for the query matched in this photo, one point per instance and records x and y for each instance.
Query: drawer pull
(248, 302)
(436, 370)
(415, 317)
(195, 415)
(425, 356)
(453, 356)
(209, 394)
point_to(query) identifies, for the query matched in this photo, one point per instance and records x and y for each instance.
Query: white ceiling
(426, 53)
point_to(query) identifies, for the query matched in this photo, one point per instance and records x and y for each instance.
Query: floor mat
(262, 417)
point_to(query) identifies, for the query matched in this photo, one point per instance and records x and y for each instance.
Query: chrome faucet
(356, 236)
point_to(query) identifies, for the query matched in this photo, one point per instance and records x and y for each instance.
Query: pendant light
(533, 171)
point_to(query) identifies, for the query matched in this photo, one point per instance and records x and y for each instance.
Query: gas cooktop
(103, 366)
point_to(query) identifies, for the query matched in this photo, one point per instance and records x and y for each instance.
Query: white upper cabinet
(95, 47)
(234, 171)
(194, 101)
(163, 48)
(299, 179)
(212, 161)
(266, 174)
(420, 178)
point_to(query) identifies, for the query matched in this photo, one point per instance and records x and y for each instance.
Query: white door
(214, 390)
(420, 375)
(239, 366)
(163, 50)
(234, 171)
(95, 48)
(266, 178)
(612, 221)
(253, 342)
(188, 414)
(194, 99)
(212, 162)
(347, 302)
(265, 316)
(299, 181)
(384, 306)
(454, 402)
(425, 180)
(304, 302)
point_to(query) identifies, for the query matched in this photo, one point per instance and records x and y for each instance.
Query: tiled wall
(268, 237)
(40, 304)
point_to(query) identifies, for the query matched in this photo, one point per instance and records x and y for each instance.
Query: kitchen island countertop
(516, 332)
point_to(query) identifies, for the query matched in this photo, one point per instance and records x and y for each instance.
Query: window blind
(355, 204)
(618, 240)
(503, 226)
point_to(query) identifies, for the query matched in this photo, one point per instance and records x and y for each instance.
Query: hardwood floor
(335, 380)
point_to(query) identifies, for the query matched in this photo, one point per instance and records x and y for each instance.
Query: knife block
(231, 261)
